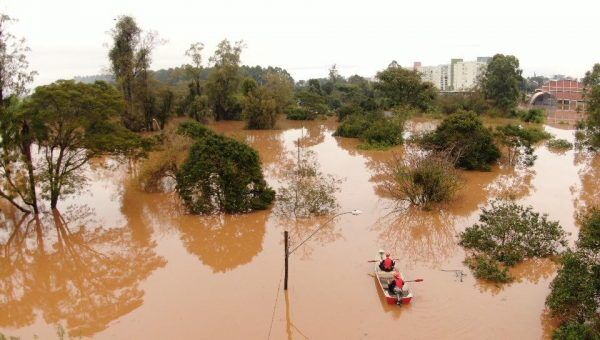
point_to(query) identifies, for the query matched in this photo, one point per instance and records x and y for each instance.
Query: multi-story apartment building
(459, 75)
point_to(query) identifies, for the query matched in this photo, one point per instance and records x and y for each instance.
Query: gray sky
(69, 37)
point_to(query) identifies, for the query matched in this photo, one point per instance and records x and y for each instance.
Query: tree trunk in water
(26, 150)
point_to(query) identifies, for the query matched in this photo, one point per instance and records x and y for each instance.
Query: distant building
(563, 94)
(459, 75)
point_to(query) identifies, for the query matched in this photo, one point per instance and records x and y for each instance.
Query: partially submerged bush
(260, 109)
(463, 136)
(518, 142)
(486, 268)
(222, 174)
(300, 113)
(530, 116)
(559, 144)
(510, 233)
(574, 298)
(422, 179)
(164, 162)
(374, 129)
(306, 190)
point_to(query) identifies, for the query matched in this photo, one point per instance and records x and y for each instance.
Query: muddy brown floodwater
(116, 263)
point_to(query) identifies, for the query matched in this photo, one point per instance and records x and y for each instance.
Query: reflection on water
(99, 278)
(419, 236)
(224, 242)
(64, 267)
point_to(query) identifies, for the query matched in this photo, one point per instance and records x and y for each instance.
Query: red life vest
(399, 283)
(388, 263)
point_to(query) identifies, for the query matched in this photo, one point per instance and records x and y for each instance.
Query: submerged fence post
(287, 255)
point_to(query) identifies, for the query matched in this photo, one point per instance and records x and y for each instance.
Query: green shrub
(300, 113)
(559, 144)
(463, 136)
(222, 174)
(373, 129)
(260, 109)
(533, 116)
(576, 331)
(486, 268)
(519, 142)
(509, 233)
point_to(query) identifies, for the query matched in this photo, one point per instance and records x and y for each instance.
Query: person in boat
(396, 286)
(387, 264)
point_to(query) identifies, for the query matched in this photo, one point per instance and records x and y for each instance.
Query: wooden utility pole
(287, 255)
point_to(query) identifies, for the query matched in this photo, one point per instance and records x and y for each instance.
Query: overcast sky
(70, 37)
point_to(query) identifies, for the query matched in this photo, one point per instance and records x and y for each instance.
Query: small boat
(384, 279)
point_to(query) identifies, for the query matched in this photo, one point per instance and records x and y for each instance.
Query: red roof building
(563, 94)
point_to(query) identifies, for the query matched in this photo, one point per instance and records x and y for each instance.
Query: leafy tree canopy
(463, 135)
(502, 80)
(221, 174)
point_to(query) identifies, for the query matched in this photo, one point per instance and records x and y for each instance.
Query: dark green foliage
(501, 82)
(575, 291)
(559, 144)
(532, 115)
(193, 130)
(71, 123)
(518, 142)
(510, 233)
(221, 174)
(463, 136)
(575, 331)
(403, 87)
(589, 234)
(589, 135)
(373, 129)
(260, 109)
(383, 133)
(486, 268)
(300, 113)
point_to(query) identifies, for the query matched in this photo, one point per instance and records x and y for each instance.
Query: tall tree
(71, 123)
(280, 87)
(224, 81)
(130, 58)
(194, 69)
(16, 161)
(502, 80)
(260, 109)
(14, 73)
(403, 87)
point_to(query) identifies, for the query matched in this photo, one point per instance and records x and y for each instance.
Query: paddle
(415, 280)
(379, 260)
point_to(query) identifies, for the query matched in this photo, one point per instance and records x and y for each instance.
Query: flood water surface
(117, 263)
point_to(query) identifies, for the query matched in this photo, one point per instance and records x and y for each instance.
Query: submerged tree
(422, 179)
(464, 136)
(306, 191)
(509, 233)
(260, 109)
(130, 58)
(224, 81)
(518, 142)
(221, 174)
(71, 123)
(17, 183)
(574, 298)
(590, 129)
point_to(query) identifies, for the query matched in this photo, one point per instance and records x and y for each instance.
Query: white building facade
(459, 75)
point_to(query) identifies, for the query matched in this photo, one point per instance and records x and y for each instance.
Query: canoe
(384, 278)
